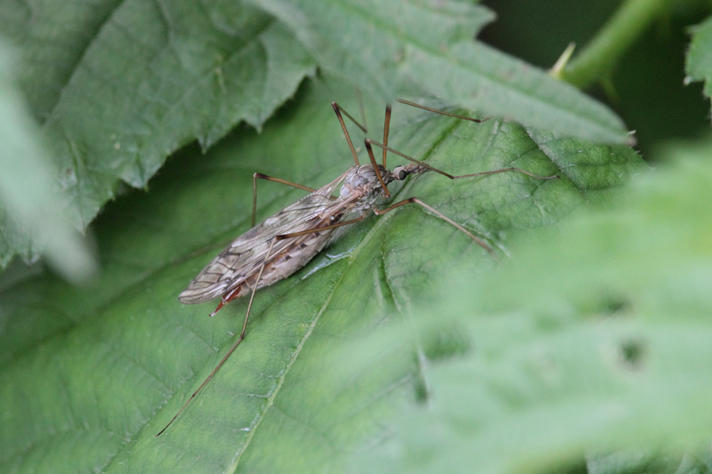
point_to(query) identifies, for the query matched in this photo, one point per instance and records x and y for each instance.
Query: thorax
(362, 187)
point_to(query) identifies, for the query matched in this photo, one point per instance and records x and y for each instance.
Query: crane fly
(288, 240)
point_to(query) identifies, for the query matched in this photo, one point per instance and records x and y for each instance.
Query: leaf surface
(90, 375)
(608, 361)
(427, 47)
(699, 56)
(120, 85)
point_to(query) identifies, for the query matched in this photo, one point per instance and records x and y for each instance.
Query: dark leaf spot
(632, 352)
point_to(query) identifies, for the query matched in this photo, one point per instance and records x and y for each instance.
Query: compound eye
(401, 175)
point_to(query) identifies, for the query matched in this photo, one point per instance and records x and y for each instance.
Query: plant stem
(603, 51)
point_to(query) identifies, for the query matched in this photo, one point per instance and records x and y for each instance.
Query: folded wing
(245, 255)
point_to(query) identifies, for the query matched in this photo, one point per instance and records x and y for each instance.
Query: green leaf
(427, 47)
(699, 56)
(31, 221)
(90, 375)
(609, 360)
(119, 86)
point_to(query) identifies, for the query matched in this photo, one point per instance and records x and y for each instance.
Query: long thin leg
(470, 175)
(338, 107)
(319, 229)
(337, 110)
(415, 200)
(231, 295)
(387, 121)
(247, 312)
(386, 130)
(442, 112)
(229, 352)
(257, 176)
(504, 170)
(252, 296)
(386, 192)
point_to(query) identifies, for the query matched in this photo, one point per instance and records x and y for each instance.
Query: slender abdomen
(287, 262)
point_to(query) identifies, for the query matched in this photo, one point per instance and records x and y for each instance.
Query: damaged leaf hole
(631, 353)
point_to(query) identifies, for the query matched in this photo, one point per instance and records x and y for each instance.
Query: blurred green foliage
(32, 218)
(562, 368)
(647, 85)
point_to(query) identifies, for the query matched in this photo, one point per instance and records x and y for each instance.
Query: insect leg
(441, 112)
(450, 176)
(319, 229)
(415, 200)
(386, 130)
(505, 170)
(225, 300)
(257, 176)
(229, 352)
(386, 192)
(337, 110)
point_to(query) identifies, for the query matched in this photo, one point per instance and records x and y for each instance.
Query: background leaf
(118, 86)
(31, 220)
(699, 58)
(90, 375)
(609, 359)
(427, 47)
(647, 87)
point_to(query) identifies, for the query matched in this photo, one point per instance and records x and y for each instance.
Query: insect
(286, 241)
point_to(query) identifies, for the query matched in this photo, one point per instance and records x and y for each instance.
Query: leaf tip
(630, 139)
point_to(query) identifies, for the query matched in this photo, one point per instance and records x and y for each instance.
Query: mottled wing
(244, 256)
